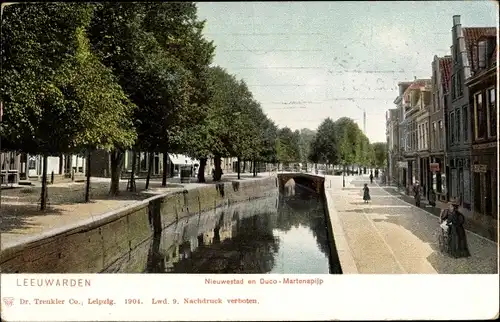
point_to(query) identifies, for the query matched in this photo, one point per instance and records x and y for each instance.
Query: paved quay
(21, 219)
(391, 236)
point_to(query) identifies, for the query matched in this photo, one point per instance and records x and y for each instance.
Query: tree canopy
(341, 142)
(140, 76)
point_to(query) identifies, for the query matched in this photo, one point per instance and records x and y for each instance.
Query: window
(460, 85)
(441, 134)
(479, 117)
(492, 112)
(465, 122)
(434, 136)
(143, 164)
(426, 135)
(452, 128)
(419, 142)
(457, 126)
(453, 88)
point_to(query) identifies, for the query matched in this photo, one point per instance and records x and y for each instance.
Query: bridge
(311, 181)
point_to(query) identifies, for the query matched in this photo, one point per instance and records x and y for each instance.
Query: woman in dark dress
(366, 193)
(456, 241)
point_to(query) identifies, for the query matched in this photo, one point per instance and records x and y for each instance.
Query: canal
(281, 234)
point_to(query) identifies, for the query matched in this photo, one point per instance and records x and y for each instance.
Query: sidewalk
(391, 236)
(436, 211)
(20, 216)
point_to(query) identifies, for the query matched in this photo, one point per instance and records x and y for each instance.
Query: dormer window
(482, 50)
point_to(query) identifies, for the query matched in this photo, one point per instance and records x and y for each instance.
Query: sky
(306, 61)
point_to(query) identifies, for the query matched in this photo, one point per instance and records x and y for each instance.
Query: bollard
(52, 177)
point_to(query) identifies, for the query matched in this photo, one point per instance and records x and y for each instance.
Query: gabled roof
(472, 36)
(445, 66)
(416, 84)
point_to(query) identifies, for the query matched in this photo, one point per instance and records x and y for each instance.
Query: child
(366, 193)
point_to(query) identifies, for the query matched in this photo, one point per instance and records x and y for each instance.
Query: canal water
(280, 234)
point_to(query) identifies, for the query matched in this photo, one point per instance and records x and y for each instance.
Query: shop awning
(180, 159)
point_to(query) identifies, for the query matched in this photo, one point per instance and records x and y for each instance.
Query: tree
(178, 30)
(54, 105)
(379, 154)
(287, 146)
(159, 56)
(324, 147)
(306, 139)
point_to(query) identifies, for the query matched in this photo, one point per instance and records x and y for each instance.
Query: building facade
(100, 164)
(403, 131)
(441, 75)
(459, 138)
(483, 101)
(413, 108)
(422, 119)
(392, 138)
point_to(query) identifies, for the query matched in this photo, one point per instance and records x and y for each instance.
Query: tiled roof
(445, 66)
(472, 35)
(417, 84)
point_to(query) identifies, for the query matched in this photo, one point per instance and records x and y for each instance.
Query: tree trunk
(218, 170)
(116, 163)
(244, 166)
(150, 169)
(87, 185)
(254, 168)
(239, 168)
(201, 170)
(165, 168)
(132, 186)
(43, 196)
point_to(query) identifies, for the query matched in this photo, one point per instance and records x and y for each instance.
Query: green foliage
(324, 147)
(340, 142)
(287, 145)
(379, 154)
(305, 141)
(58, 96)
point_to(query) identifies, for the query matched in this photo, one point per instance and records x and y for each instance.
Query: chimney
(461, 51)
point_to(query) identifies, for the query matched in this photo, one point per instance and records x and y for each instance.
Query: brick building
(482, 47)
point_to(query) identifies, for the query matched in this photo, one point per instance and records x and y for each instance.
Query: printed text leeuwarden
(54, 282)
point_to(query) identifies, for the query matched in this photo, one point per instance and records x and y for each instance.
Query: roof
(445, 66)
(494, 56)
(472, 36)
(179, 159)
(416, 84)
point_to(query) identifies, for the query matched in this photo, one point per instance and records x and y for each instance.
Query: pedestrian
(416, 193)
(366, 193)
(371, 177)
(452, 222)
(213, 174)
(376, 173)
(432, 197)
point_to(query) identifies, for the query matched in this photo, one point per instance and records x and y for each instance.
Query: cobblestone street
(391, 236)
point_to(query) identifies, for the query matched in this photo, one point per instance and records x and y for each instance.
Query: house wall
(459, 136)
(438, 131)
(484, 155)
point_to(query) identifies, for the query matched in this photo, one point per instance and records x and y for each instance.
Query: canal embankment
(96, 244)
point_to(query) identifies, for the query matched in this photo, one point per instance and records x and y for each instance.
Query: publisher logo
(8, 301)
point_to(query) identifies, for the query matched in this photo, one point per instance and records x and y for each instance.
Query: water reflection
(280, 234)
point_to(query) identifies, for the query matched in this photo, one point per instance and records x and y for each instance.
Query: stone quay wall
(95, 245)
